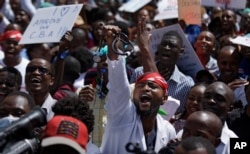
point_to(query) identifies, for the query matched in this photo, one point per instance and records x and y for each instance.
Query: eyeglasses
(7, 83)
(41, 70)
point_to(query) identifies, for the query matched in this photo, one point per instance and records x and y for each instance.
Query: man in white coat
(133, 121)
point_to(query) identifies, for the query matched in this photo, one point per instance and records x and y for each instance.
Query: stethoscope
(127, 46)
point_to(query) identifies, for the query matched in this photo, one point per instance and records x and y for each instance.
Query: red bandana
(155, 77)
(11, 34)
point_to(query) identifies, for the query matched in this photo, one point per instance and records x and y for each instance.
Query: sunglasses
(41, 70)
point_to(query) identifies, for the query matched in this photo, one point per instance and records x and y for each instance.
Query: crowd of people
(102, 91)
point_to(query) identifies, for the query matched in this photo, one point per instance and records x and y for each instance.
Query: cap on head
(68, 131)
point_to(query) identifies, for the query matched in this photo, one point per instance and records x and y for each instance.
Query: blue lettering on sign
(64, 11)
(41, 34)
(75, 9)
(55, 11)
(50, 21)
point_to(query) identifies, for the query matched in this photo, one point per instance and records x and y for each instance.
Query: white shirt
(224, 146)
(240, 95)
(123, 123)
(48, 104)
(211, 65)
(80, 81)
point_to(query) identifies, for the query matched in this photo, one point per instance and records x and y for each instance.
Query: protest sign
(236, 4)
(188, 62)
(241, 40)
(190, 11)
(133, 5)
(167, 9)
(50, 24)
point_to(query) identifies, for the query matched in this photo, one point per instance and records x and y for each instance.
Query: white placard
(237, 4)
(133, 5)
(241, 40)
(188, 62)
(168, 9)
(50, 24)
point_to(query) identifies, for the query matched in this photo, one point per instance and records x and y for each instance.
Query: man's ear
(164, 99)
(52, 81)
(181, 51)
(214, 48)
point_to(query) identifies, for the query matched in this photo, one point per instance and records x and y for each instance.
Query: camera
(26, 146)
(19, 135)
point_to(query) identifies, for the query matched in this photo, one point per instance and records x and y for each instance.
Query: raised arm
(118, 103)
(143, 37)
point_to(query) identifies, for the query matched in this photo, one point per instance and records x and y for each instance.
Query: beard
(143, 113)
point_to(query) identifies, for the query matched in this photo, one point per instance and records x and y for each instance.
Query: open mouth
(145, 98)
(204, 47)
(165, 55)
(35, 80)
(10, 51)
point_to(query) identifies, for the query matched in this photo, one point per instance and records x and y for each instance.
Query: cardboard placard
(168, 9)
(241, 40)
(237, 4)
(190, 11)
(133, 5)
(50, 24)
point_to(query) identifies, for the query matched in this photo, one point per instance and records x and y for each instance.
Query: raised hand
(65, 41)
(143, 36)
(237, 83)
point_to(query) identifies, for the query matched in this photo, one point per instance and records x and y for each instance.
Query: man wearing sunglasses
(38, 79)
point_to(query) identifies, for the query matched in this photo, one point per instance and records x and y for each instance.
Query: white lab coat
(123, 123)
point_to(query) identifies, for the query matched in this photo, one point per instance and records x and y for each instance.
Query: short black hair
(174, 33)
(123, 26)
(72, 69)
(77, 108)
(31, 101)
(13, 70)
(85, 57)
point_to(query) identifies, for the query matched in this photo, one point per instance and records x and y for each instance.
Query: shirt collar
(175, 75)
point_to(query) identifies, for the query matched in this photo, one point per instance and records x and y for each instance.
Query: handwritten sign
(50, 24)
(237, 4)
(133, 5)
(188, 62)
(190, 11)
(168, 9)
